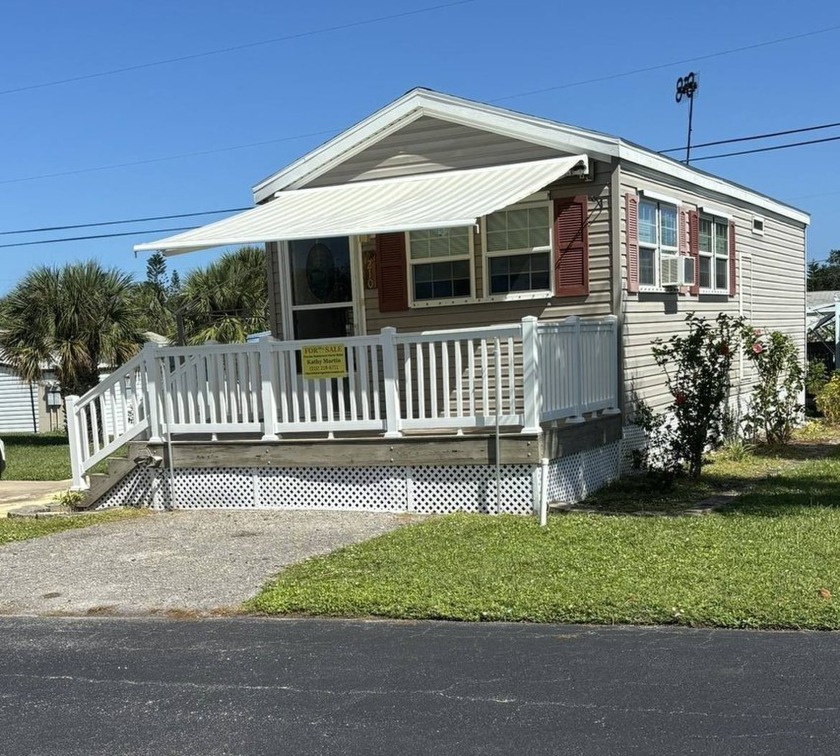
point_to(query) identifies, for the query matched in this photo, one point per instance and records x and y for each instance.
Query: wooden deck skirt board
(469, 449)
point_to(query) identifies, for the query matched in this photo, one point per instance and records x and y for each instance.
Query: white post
(75, 442)
(269, 401)
(614, 408)
(153, 391)
(531, 375)
(577, 372)
(388, 339)
(543, 502)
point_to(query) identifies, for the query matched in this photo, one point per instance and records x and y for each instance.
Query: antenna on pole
(687, 86)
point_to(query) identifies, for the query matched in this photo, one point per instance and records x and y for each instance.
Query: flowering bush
(697, 372)
(774, 407)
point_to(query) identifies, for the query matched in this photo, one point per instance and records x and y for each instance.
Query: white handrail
(112, 413)
(518, 376)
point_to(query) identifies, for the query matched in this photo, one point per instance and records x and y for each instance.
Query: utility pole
(687, 86)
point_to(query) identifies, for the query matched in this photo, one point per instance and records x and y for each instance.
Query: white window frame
(658, 201)
(513, 296)
(410, 263)
(760, 219)
(716, 220)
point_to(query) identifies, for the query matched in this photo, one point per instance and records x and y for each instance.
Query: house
(463, 300)
(28, 407)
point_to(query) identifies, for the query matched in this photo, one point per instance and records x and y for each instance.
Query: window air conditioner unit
(670, 273)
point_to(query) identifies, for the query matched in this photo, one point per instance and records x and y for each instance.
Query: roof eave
(667, 166)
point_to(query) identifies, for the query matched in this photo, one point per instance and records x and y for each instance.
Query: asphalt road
(254, 686)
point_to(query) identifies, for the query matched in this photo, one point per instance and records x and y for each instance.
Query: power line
(210, 212)
(660, 66)
(768, 135)
(97, 236)
(121, 222)
(163, 159)
(242, 209)
(334, 131)
(769, 149)
(235, 48)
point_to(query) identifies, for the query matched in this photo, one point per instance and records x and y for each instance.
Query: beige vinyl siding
(430, 144)
(478, 314)
(770, 288)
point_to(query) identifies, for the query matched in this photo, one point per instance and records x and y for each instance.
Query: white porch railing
(511, 376)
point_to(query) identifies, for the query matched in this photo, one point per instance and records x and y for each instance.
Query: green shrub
(816, 376)
(828, 400)
(774, 407)
(696, 367)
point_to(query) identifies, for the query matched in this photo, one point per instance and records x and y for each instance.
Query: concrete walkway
(17, 493)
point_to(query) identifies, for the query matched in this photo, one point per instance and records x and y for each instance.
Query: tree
(825, 276)
(153, 297)
(80, 318)
(228, 299)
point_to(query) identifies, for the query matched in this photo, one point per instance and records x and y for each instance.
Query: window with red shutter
(391, 272)
(632, 233)
(571, 246)
(732, 260)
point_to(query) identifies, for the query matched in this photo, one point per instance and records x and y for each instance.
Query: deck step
(118, 468)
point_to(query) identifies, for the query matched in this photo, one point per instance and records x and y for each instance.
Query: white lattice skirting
(572, 478)
(436, 489)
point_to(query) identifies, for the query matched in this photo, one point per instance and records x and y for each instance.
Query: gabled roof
(425, 102)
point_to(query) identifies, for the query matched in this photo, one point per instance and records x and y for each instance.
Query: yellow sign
(323, 361)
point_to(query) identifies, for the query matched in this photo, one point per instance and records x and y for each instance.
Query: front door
(321, 288)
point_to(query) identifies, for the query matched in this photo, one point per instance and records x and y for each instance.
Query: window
(758, 225)
(440, 264)
(518, 246)
(713, 249)
(658, 244)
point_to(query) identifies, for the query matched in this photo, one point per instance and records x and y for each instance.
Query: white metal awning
(429, 200)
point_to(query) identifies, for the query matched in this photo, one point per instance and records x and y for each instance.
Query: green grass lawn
(41, 456)
(24, 528)
(36, 456)
(770, 560)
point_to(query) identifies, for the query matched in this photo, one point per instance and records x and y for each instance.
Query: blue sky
(291, 95)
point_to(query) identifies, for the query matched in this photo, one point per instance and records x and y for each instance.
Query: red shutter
(571, 247)
(683, 242)
(732, 263)
(391, 272)
(632, 232)
(694, 247)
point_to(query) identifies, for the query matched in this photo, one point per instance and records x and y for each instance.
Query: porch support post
(577, 371)
(78, 483)
(531, 376)
(388, 339)
(269, 401)
(614, 408)
(153, 391)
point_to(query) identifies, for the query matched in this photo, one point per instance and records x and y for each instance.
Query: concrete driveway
(17, 493)
(202, 562)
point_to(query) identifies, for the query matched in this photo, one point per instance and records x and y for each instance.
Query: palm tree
(79, 318)
(228, 299)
